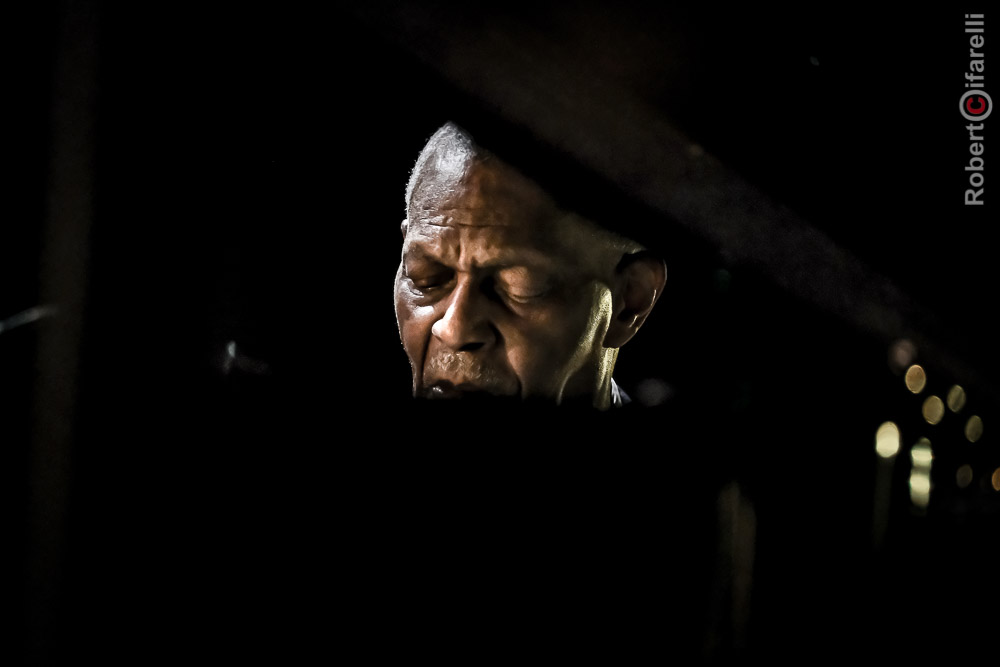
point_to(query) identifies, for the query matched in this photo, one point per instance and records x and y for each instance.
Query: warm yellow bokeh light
(963, 476)
(933, 410)
(921, 455)
(887, 440)
(974, 428)
(920, 483)
(920, 489)
(996, 479)
(920, 476)
(916, 378)
(956, 398)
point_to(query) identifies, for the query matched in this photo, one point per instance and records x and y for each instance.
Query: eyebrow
(515, 260)
(418, 251)
(436, 221)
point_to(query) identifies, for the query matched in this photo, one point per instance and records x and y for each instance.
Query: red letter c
(975, 110)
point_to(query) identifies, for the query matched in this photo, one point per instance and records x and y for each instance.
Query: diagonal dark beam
(63, 291)
(538, 83)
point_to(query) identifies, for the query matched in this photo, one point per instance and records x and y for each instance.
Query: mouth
(466, 391)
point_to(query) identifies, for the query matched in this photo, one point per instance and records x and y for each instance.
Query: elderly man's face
(500, 292)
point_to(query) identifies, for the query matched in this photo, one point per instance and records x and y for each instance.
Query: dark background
(248, 164)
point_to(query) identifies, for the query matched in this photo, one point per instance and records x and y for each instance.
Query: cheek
(561, 340)
(414, 324)
(592, 317)
(599, 317)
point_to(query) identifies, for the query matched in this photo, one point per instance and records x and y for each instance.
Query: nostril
(470, 347)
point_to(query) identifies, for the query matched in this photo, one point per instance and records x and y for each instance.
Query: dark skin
(500, 292)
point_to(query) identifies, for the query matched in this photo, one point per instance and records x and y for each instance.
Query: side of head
(501, 291)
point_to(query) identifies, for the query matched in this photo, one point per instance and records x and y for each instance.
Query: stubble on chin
(461, 369)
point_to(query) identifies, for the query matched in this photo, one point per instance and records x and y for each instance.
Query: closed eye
(424, 273)
(522, 296)
(522, 284)
(428, 284)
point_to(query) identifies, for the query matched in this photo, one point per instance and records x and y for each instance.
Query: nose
(465, 325)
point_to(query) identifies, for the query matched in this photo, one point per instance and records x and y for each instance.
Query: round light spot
(920, 489)
(963, 476)
(887, 440)
(920, 484)
(922, 455)
(996, 479)
(974, 428)
(916, 379)
(956, 398)
(933, 410)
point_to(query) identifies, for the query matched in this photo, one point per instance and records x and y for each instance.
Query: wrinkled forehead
(473, 194)
(494, 215)
(476, 190)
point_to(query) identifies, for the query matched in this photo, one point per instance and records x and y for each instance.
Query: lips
(444, 389)
(461, 375)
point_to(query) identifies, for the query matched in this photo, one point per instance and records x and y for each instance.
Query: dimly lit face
(499, 291)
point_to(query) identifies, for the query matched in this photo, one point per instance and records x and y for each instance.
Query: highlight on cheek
(602, 313)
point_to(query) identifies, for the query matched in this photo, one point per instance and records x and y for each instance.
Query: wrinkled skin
(500, 292)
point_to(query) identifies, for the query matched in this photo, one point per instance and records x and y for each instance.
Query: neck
(592, 384)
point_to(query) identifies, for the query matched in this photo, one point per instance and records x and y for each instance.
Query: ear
(402, 227)
(639, 281)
